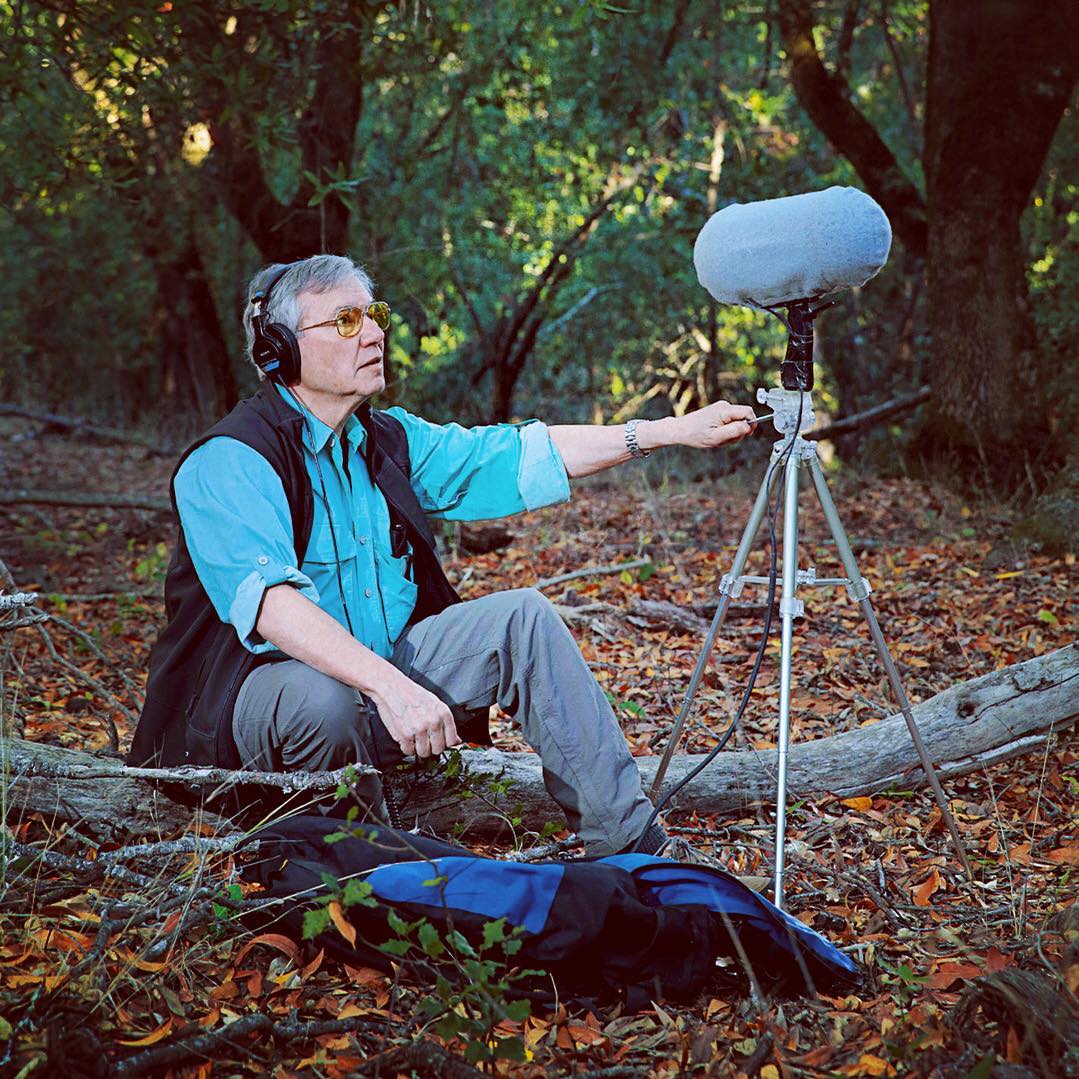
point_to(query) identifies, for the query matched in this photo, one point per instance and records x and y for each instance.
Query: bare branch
(876, 414)
(591, 571)
(79, 426)
(75, 498)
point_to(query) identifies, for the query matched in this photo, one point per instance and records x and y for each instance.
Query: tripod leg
(859, 590)
(788, 609)
(749, 534)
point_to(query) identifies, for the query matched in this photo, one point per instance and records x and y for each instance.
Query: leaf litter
(93, 969)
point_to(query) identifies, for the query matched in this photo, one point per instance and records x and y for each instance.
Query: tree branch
(825, 99)
(874, 415)
(79, 426)
(74, 498)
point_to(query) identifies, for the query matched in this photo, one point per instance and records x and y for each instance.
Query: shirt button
(367, 592)
(363, 540)
(263, 560)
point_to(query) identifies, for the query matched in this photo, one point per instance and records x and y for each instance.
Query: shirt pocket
(398, 591)
(322, 560)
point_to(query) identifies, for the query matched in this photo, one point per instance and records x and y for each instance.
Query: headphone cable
(392, 810)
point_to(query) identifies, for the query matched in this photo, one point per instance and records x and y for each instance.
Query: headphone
(275, 350)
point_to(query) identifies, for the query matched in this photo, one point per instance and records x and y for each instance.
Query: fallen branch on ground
(77, 426)
(692, 618)
(74, 498)
(591, 571)
(986, 720)
(989, 719)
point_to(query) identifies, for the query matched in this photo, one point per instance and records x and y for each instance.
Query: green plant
(471, 1005)
(471, 983)
(152, 565)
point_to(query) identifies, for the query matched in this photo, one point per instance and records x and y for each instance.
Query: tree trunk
(326, 134)
(986, 720)
(195, 361)
(1000, 75)
(826, 98)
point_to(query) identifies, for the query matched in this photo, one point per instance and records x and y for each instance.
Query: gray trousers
(509, 649)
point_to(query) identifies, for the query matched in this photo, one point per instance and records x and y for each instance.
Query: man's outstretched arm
(586, 448)
(418, 721)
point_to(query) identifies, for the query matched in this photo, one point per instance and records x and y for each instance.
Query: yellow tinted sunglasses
(349, 320)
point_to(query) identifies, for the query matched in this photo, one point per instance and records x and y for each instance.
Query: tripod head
(796, 371)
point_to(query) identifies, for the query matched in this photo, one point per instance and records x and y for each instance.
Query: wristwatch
(631, 441)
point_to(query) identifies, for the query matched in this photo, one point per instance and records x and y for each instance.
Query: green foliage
(153, 564)
(471, 986)
(487, 136)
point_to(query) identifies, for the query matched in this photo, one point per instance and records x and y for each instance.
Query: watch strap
(631, 441)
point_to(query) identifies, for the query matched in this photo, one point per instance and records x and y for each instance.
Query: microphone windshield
(776, 251)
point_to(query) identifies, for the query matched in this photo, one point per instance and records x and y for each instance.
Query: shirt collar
(316, 433)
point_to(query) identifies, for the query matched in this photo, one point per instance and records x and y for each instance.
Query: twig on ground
(90, 643)
(591, 571)
(201, 1045)
(98, 687)
(224, 777)
(545, 850)
(423, 1058)
(80, 426)
(104, 500)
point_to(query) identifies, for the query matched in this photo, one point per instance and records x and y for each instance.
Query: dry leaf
(273, 940)
(860, 804)
(344, 926)
(1064, 855)
(153, 1036)
(926, 889)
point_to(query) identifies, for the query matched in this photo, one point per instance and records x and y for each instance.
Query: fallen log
(81, 427)
(78, 498)
(984, 721)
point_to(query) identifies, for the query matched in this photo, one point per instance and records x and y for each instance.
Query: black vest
(198, 663)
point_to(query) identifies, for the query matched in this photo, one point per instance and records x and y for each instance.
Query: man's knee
(529, 606)
(320, 716)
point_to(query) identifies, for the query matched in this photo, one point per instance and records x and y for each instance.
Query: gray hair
(319, 273)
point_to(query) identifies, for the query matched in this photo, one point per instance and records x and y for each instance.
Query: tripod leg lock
(859, 589)
(730, 586)
(796, 608)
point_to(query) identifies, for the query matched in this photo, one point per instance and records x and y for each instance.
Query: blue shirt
(238, 527)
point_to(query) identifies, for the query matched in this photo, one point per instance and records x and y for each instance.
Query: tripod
(787, 404)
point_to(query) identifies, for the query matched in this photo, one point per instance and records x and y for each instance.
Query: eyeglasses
(349, 320)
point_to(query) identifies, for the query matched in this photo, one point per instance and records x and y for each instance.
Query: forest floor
(945, 956)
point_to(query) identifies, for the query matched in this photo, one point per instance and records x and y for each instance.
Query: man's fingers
(450, 727)
(437, 740)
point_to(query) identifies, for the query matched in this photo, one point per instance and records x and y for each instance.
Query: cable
(392, 809)
(773, 510)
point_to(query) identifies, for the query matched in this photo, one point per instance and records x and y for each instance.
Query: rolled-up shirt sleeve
(471, 474)
(238, 532)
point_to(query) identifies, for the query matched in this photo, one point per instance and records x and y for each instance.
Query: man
(310, 623)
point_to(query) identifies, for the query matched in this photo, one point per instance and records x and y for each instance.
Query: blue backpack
(631, 926)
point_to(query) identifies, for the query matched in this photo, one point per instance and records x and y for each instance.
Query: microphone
(778, 251)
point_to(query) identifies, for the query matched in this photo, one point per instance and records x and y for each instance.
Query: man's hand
(711, 426)
(416, 719)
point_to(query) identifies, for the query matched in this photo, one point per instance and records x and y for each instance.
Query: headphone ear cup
(277, 353)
